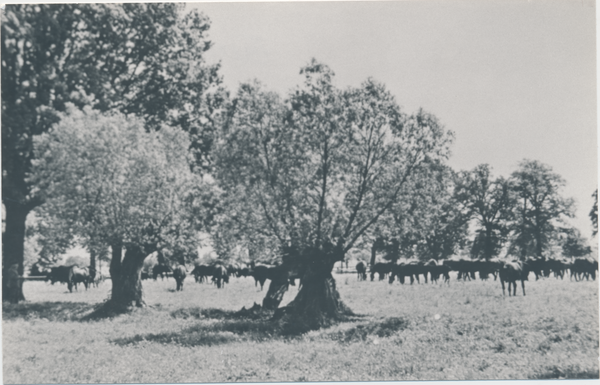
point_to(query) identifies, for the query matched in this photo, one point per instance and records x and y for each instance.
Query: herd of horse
(74, 275)
(218, 273)
(509, 272)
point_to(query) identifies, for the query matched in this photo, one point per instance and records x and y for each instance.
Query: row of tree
(119, 135)
(485, 217)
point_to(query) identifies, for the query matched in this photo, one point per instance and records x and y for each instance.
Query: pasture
(464, 331)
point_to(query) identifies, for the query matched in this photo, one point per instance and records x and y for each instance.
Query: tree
(316, 171)
(427, 221)
(594, 214)
(444, 226)
(145, 59)
(540, 211)
(491, 204)
(574, 245)
(119, 185)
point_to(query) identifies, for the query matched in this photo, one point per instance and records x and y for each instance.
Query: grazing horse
(76, 276)
(436, 269)
(220, 276)
(160, 269)
(584, 268)
(261, 274)
(512, 272)
(537, 265)
(179, 273)
(361, 269)
(382, 269)
(202, 272)
(59, 274)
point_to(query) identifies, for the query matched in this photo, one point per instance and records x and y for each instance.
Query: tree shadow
(255, 325)
(51, 311)
(256, 312)
(232, 326)
(384, 328)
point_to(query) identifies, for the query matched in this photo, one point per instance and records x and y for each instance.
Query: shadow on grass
(567, 373)
(256, 312)
(382, 329)
(252, 324)
(208, 335)
(52, 311)
(256, 325)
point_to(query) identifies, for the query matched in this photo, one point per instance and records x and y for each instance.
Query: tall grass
(463, 331)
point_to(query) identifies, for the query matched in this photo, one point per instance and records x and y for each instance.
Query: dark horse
(361, 270)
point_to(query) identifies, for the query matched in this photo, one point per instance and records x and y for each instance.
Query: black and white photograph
(317, 191)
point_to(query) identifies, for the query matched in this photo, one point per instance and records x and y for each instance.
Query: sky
(513, 79)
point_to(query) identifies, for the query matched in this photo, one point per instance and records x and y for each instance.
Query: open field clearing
(463, 331)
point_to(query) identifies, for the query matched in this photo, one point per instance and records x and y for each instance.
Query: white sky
(513, 79)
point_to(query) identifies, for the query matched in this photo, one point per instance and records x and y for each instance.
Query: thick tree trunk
(13, 242)
(92, 267)
(127, 284)
(277, 289)
(318, 302)
(115, 265)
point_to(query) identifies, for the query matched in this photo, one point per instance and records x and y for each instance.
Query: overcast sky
(512, 79)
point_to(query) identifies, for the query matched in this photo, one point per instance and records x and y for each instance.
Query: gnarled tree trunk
(318, 302)
(277, 288)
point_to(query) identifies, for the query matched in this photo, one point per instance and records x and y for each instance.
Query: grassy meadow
(461, 331)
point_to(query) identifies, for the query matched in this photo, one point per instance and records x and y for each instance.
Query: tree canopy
(323, 165)
(540, 210)
(116, 184)
(491, 203)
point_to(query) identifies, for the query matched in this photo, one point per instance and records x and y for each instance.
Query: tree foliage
(540, 211)
(117, 184)
(574, 245)
(324, 165)
(491, 203)
(427, 220)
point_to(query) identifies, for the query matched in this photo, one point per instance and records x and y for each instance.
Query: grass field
(464, 331)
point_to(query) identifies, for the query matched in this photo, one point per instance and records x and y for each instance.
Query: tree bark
(115, 265)
(92, 267)
(13, 242)
(127, 284)
(318, 302)
(277, 289)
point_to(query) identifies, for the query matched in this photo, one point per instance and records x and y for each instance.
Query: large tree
(540, 210)
(117, 184)
(145, 59)
(491, 203)
(317, 170)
